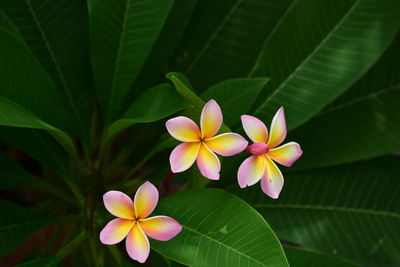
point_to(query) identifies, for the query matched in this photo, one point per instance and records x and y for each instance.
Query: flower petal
(137, 244)
(183, 129)
(227, 144)
(210, 119)
(162, 228)
(146, 199)
(251, 170)
(286, 154)
(272, 181)
(208, 163)
(183, 156)
(254, 128)
(119, 204)
(278, 129)
(115, 231)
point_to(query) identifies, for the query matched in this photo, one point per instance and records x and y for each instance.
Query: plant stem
(150, 154)
(115, 254)
(55, 191)
(72, 244)
(77, 193)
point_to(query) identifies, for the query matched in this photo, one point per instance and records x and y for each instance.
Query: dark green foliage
(86, 88)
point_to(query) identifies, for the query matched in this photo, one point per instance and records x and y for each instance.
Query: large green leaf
(218, 230)
(13, 114)
(318, 50)
(166, 43)
(224, 38)
(154, 104)
(57, 33)
(122, 35)
(7, 24)
(235, 96)
(185, 89)
(40, 146)
(299, 257)
(24, 82)
(13, 175)
(27, 97)
(364, 121)
(51, 261)
(17, 223)
(351, 211)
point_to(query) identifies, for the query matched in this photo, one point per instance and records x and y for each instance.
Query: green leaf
(13, 114)
(23, 81)
(318, 50)
(299, 257)
(186, 90)
(364, 121)
(28, 98)
(351, 210)
(17, 223)
(55, 259)
(218, 230)
(57, 33)
(235, 96)
(127, 31)
(168, 39)
(154, 104)
(40, 146)
(224, 38)
(42, 262)
(12, 175)
(7, 24)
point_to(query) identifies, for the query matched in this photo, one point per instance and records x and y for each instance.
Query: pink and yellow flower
(265, 150)
(133, 222)
(199, 144)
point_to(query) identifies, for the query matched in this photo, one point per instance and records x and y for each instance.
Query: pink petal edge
(227, 144)
(272, 181)
(208, 163)
(183, 129)
(251, 171)
(183, 156)
(119, 204)
(254, 128)
(146, 199)
(210, 119)
(115, 231)
(161, 228)
(286, 154)
(137, 244)
(278, 129)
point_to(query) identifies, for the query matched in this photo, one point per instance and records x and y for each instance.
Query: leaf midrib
(223, 244)
(361, 99)
(53, 58)
(235, 97)
(214, 35)
(50, 152)
(276, 27)
(328, 208)
(25, 223)
(308, 58)
(117, 59)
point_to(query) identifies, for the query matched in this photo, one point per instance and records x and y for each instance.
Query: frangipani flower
(261, 166)
(201, 143)
(132, 221)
